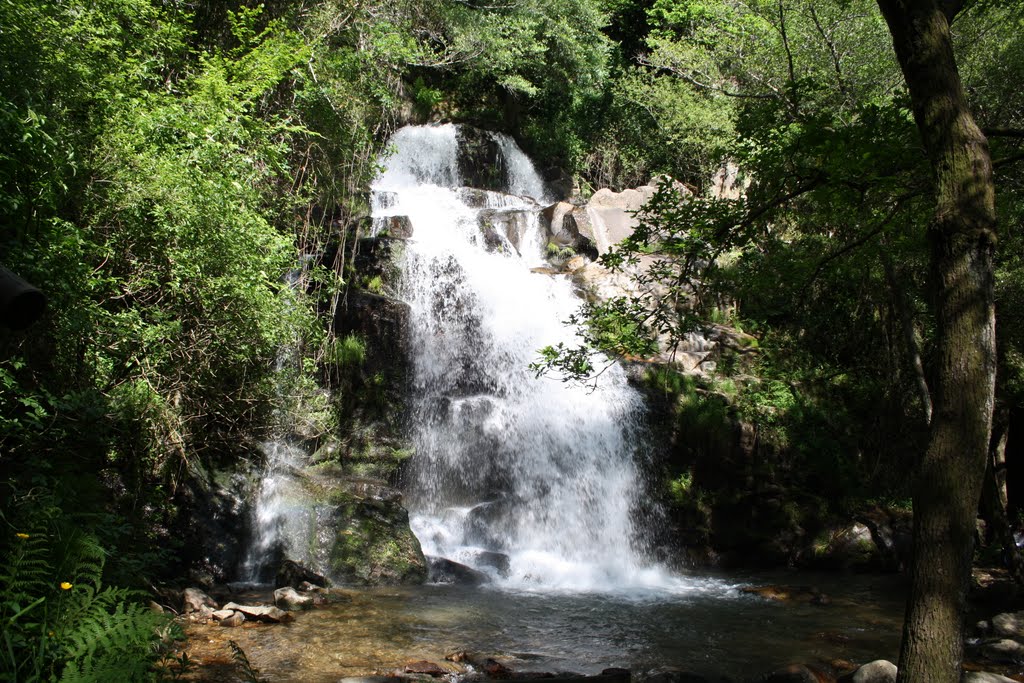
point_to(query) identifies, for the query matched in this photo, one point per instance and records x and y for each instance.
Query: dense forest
(168, 168)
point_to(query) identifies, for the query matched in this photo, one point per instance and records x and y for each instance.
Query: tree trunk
(962, 235)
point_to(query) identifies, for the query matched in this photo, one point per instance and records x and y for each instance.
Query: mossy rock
(373, 544)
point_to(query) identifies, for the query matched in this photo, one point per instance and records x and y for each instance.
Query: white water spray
(530, 480)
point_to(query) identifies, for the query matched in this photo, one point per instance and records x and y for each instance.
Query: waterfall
(530, 480)
(282, 518)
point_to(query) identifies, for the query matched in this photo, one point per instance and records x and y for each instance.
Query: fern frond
(113, 634)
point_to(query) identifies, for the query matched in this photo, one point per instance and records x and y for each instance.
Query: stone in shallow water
(236, 619)
(425, 667)
(265, 614)
(443, 570)
(672, 676)
(499, 561)
(289, 598)
(795, 673)
(984, 677)
(194, 600)
(878, 671)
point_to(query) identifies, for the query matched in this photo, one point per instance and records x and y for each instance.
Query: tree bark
(962, 236)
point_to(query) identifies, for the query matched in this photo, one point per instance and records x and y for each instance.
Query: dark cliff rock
(480, 161)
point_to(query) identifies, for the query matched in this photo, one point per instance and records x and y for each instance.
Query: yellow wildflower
(21, 535)
(65, 586)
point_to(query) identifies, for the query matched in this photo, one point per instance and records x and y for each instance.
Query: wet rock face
(292, 575)
(481, 163)
(373, 544)
(216, 509)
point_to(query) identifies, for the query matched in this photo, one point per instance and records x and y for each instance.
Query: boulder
(384, 322)
(892, 533)
(672, 676)
(373, 544)
(395, 227)
(502, 229)
(222, 614)
(498, 561)
(609, 217)
(1009, 625)
(288, 598)
(727, 183)
(1004, 650)
(195, 600)
(292, 574)
(574, 264)
(807, 594)
(560, 226)
(269, 615)
(878, 671)
(236, 619)
(443, 570)
(425, 667)
(984, 677)
(849, 546)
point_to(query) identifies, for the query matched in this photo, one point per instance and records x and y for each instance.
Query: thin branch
(847, 248)
(645, 60)
(1006, 161)
(832, 51)
(1003, 132)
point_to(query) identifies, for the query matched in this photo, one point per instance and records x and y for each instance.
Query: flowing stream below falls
(713, 630)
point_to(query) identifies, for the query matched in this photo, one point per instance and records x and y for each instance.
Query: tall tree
(962, 236)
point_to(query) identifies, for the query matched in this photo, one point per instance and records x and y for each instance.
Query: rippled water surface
(710, 627)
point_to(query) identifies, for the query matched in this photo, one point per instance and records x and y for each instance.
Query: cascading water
(531, 480)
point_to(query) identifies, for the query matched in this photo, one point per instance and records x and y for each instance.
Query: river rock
(502, 229)
(984, 677)
(560, 226)
(1004, 650)
(807, 594)
(797, 673)
(292, 574)
(288, 598)
(425, 667)
(443, 570)
(234, 620)
(671, 676)
(195, 600)
(848, 546)
(270, 615)
(878, 671)
(1009, 625)
(498, 561)
(892, 533)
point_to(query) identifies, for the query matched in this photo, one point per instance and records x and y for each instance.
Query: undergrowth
(59, 622)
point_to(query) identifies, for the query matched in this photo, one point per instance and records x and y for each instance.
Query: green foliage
(348, 350)
(60, 622)
(249, 673)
